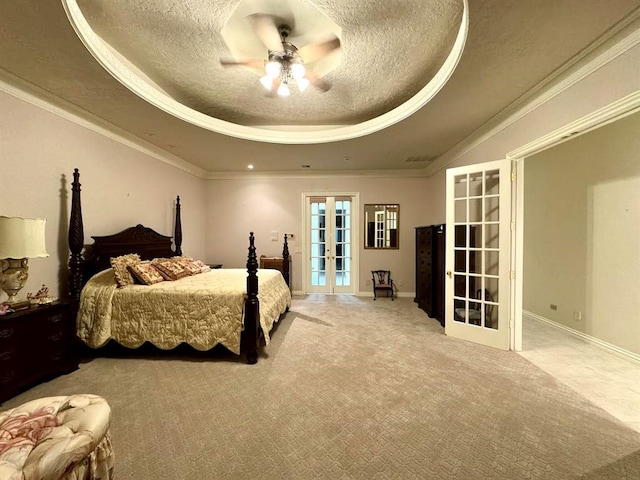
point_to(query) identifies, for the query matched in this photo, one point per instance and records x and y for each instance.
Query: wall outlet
(367, 282)
(553, 307)
(400, 283)
(577, 315)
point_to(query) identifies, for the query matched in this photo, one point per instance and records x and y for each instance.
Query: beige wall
(582, 233)
(264, 205)
(613, 81)
(121, 187)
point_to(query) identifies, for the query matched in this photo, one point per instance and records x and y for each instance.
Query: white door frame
(355, 236)
(616, 110)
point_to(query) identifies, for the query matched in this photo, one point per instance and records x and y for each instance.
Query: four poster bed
(202, 307)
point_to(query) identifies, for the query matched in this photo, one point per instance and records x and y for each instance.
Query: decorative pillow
(192, 266)
(188, 265)
(202, 266)
(120, 268)
(170, 269)
(146, 273)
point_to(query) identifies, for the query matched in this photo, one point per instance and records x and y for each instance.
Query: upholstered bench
(56, 438)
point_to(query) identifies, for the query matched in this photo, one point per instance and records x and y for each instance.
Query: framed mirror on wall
(381, 226)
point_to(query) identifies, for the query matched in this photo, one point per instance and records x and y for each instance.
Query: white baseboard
(609, 347)
(369, 293)
(366, 293)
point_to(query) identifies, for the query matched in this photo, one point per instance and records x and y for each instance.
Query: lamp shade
(22, 237)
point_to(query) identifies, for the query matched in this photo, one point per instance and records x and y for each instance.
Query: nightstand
(277, 263)
(35, 344)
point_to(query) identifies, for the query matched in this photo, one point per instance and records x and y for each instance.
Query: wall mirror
(381, 223)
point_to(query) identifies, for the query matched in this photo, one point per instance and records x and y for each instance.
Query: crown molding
(615, 111)
(398, 173)
(30, 93)
(615, 42)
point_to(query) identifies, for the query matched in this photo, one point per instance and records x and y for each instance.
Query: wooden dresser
(35, 344)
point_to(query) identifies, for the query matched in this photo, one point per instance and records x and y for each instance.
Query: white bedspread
(202, 310)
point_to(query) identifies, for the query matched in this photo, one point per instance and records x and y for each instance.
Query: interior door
(330, 245)
(478, 253)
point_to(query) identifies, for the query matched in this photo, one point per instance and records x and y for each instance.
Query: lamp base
(15, 273)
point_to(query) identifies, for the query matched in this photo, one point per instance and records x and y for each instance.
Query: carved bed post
(285, 260)
(177, 235)
(76, 239)
(252, 306)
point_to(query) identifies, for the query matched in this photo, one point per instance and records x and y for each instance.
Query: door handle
(449, 274)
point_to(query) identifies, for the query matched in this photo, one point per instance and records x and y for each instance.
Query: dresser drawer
(35, 344)
(7, 333)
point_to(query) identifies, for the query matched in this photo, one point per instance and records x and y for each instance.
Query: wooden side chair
(475, 313)
(381, 280)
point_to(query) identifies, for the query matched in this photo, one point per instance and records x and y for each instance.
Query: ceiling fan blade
(253, 63)
(317, 82)
(314, 51)
(267, 31)
(274, 88)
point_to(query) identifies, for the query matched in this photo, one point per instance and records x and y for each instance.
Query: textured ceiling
(389, 49)
(178, 47)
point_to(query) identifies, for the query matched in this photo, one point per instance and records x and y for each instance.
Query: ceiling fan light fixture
(267, 82)
(297, 70)
(273, 69)
(302, 83)
(283, 90)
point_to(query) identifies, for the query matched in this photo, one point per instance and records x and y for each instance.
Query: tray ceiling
(512, 47)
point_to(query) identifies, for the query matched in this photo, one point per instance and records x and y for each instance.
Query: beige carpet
(350, 389)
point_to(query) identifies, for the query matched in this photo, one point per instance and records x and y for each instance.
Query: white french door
(478, 253)
(329, 245)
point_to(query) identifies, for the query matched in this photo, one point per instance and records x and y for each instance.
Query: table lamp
(20, 239)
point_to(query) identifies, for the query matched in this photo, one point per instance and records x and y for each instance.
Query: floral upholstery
(146, 273)
(121, 266)
(57, 438)
(170, 269)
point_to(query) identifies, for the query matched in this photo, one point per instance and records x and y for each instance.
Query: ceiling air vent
(420, 159)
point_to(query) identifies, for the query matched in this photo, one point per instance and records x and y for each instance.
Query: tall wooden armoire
(430, 275)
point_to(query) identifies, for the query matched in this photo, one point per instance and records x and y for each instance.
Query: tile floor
(610, 381)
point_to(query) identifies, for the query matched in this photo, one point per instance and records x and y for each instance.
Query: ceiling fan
(285, 64)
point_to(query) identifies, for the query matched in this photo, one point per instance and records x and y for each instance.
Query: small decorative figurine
(41, 297)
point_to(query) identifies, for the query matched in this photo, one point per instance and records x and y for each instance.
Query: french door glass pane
(318, 243)
(491, 262)
(460, 210)
(460, 186)
(492, 182)
(492, 209)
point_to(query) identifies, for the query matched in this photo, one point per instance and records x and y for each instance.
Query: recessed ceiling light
(250, 167)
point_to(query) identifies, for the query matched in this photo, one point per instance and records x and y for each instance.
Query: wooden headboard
(84, 263)
(142, 240)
